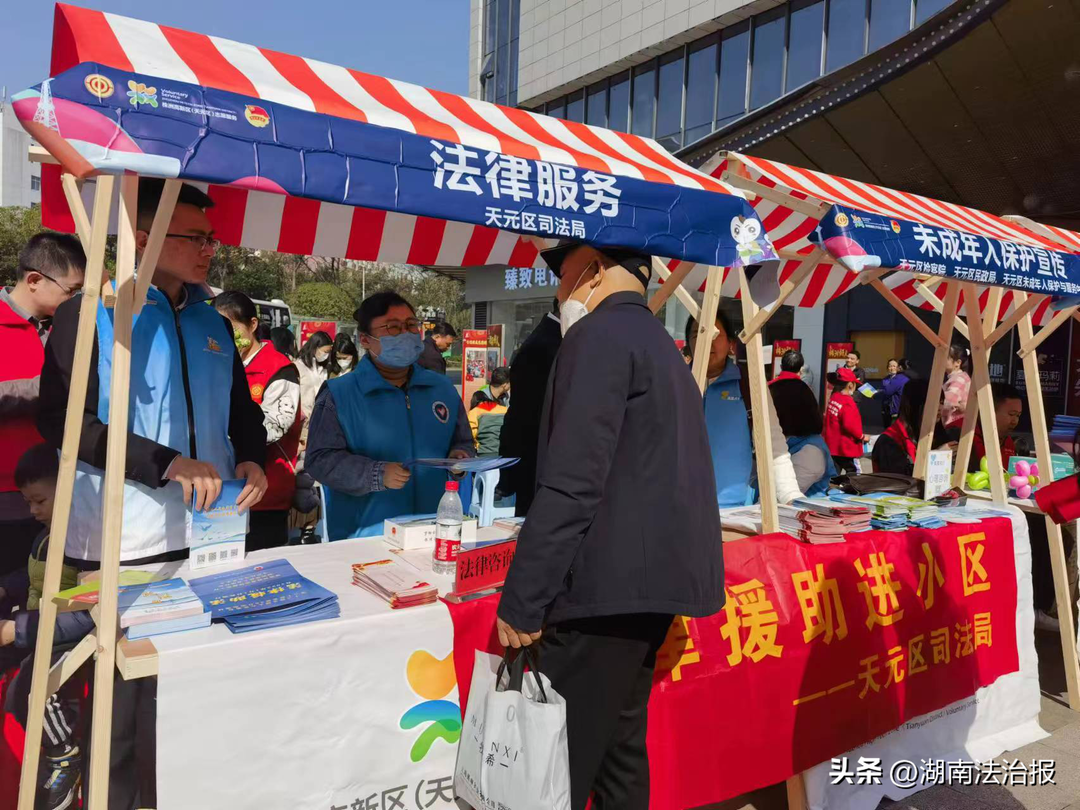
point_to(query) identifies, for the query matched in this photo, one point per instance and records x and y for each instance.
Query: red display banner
(780, 348)
(474, 364)
(484, 568)
(309, 328)
(818, 650)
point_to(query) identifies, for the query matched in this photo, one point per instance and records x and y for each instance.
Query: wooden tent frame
(129, 293)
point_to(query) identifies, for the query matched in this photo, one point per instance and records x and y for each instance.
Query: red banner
(309, 328)
(819, 649)
(782, 347)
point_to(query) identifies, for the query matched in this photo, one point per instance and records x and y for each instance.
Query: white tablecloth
(310, 717)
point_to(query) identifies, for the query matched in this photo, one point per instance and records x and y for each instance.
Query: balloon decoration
(980, 479)
(1026, 479)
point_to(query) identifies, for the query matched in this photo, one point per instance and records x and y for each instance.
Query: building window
(700, 88)
(557, 108)
(767, 71)
(734, 54)
(804, 43)
(925, 9)
(619, 103)
(35, 182)
(596, 106)
(644, 108)
(669, 101)
(847, 33)
(498, 76)
(889, 20)
(575, 107)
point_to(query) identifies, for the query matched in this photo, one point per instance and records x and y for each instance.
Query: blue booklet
(464, 465)
(153, 602)
(270, 594)
(216, 533)
(160, 628)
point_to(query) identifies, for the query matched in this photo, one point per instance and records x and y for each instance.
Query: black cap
(635, 262)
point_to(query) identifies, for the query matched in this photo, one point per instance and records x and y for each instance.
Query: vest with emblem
(387, 423)
(166, 345)
(729, 438)
(280, 455)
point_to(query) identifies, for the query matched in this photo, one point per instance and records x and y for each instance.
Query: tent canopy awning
(307, 157)
(862, 226)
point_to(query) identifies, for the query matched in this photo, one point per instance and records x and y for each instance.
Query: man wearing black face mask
(609, 554)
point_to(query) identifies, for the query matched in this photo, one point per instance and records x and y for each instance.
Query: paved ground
(1063, 746)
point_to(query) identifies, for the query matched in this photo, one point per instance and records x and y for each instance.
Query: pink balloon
(1018, 481)
(1023, 468)
(1034, 470)
(1024, 491)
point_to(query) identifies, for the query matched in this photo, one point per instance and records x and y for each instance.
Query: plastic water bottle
(447, 531)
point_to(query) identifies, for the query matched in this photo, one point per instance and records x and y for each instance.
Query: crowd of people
(603, 407)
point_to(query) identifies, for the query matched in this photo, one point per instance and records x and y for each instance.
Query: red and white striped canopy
(789, 229)
(263, 220)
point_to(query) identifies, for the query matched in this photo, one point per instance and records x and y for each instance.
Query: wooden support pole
(907, 312)
(967, 432)
(1058, 565)
(113, 498)
(759, 400)
(162, 218)
(762, 317)
(1036, 340)
(1019, 311)
(937, 304)
(706, 326)
(980, 383)
(807, 206)
(933, 393)
(672, 283)
(82, 228)
(65, 484)
(678, 290)
(67, 666)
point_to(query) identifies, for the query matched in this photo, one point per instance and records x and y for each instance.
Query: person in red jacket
(50, 271)
(843, 423)
(275, 385)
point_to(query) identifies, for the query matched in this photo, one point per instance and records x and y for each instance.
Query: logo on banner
(442, 413)
(98, 85)
(895, 225)
(139, 93)
(841, 220)
(432, 679)
(257, 116)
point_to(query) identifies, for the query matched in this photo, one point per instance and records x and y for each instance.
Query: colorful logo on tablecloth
(256, 116)
(432, 679)
(98, 85)
(139, 93)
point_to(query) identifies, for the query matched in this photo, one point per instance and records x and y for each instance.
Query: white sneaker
(1046, 622)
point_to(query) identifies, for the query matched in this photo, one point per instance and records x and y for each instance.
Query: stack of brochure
(890, 512)
(154, 608)
(270, 594)
(395, 580)
(821, 520)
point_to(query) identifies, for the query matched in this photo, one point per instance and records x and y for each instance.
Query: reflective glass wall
(683, 95)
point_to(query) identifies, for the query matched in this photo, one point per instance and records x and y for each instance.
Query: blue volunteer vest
(797, 443)
(729, 439)
(387, 423)
(163, 341)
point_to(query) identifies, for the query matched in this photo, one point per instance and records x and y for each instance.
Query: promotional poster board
(780, 348)
(474, 362)
(309, 328)
(494, 347)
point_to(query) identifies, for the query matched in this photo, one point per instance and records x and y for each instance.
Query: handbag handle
(514, 666)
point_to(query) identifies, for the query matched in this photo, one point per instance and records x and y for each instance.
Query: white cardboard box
(411, 532)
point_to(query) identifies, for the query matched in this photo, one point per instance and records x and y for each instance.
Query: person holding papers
(367, 424)
(605, 557)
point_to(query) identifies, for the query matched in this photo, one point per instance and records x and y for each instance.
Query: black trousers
(16, 538)
(603, 667)
(844, 464)
(267, 529)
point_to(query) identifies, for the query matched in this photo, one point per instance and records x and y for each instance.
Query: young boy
(843, 423)
(1008, 408)
(35, 476)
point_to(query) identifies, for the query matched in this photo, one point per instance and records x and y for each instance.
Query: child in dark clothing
(35, 476)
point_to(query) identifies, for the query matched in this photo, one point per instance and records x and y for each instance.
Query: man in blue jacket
(366, 425)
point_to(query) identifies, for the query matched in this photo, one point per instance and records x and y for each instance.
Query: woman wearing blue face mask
(387, 411)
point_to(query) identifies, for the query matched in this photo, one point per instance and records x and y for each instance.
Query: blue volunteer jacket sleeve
(588, 405)
(328, 459)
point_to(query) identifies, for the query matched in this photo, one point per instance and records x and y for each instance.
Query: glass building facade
(499, 74)
(687, 93)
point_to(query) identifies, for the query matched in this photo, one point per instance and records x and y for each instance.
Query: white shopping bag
(513, 753)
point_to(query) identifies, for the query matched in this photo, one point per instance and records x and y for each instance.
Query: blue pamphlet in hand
(867, 390)
(464, 465)
(216, 533)
(270, 594)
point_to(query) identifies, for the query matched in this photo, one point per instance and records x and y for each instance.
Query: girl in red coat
(843, 423)
(275, 385)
